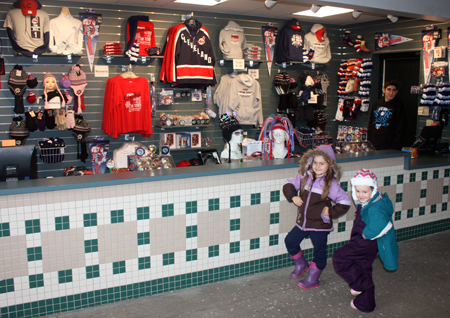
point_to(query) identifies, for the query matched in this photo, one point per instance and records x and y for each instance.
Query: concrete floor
(419, 288)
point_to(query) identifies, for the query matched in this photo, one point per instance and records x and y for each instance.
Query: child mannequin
(53, 98)
(312, 191)
(372, 232)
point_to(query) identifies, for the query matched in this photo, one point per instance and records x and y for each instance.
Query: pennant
(383, 40)
(430, 40)
(91, 29)
(269, 36)
(448, 45)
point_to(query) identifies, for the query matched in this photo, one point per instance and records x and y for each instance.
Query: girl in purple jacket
(312, 191)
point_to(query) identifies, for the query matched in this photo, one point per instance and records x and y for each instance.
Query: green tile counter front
(71, 243)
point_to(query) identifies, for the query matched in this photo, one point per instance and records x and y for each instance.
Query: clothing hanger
(65, 11)
(129, 73)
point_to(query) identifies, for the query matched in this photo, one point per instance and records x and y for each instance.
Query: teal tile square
(275, 218)
(213, 251)
(273, 240)
(275, 196)
(143, 238)
(254, 243)
(412, 177)
(423, 193)
(32, 226)
(255, 198)
(91, 246)
(191, 255)
(191, 231)
(143, 213)
(4, 229)
(117, 216)
(422, 210)
(213, 204)
(34, 254)
(65, 276)
(445, 190)
(90, 219)
(444, 206)
(191, 207)
(167, 210)
(62, 223)
(398, 215)
(387, 181)
(235, 201)
(235, 247)
(400, 179)
(168, 259)
(433, 208)
(344, 185)
(235, 225)
(92, 271)
(399, 197)
(144, 262)
(424, 175)
(410, 213)
(446, 173)
(6, 286)
(119, 267)
(341, 227)
(435, 174)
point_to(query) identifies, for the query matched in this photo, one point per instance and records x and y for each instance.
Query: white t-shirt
(28, 30)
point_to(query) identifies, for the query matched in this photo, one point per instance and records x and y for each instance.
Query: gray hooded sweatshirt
(322, 51)
(232, 41)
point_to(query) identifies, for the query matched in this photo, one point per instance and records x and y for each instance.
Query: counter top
(111, 179)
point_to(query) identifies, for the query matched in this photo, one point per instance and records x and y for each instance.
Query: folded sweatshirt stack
(112, 48)
(252, 52)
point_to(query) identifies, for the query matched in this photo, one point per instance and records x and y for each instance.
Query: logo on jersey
(201, 41)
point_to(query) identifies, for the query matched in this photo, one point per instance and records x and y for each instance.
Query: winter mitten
(31, 120)
(64, 81)
(70, 119)
(307, 57)
(31, 98)
(31, 81)
(40, 120)
(49, 119)
(347, 39)
(61, 123)
(68, 96)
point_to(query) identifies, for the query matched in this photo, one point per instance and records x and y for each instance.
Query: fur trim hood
(324, 151)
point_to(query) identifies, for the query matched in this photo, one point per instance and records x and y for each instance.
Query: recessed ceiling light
(325, 11)
(201, 2)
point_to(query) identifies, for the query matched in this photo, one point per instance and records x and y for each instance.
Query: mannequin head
(237, 136)
(279, 133)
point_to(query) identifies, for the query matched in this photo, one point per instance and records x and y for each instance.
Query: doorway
(405, 69)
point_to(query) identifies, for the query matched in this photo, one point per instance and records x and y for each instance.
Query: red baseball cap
(184, 163)
(29, 7)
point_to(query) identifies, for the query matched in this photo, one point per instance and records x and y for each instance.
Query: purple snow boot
(313, 278)
(301, 265)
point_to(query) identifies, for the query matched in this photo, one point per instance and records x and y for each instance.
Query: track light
(356, 14)
(270, 3)
(315, 8)
(392, 18)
